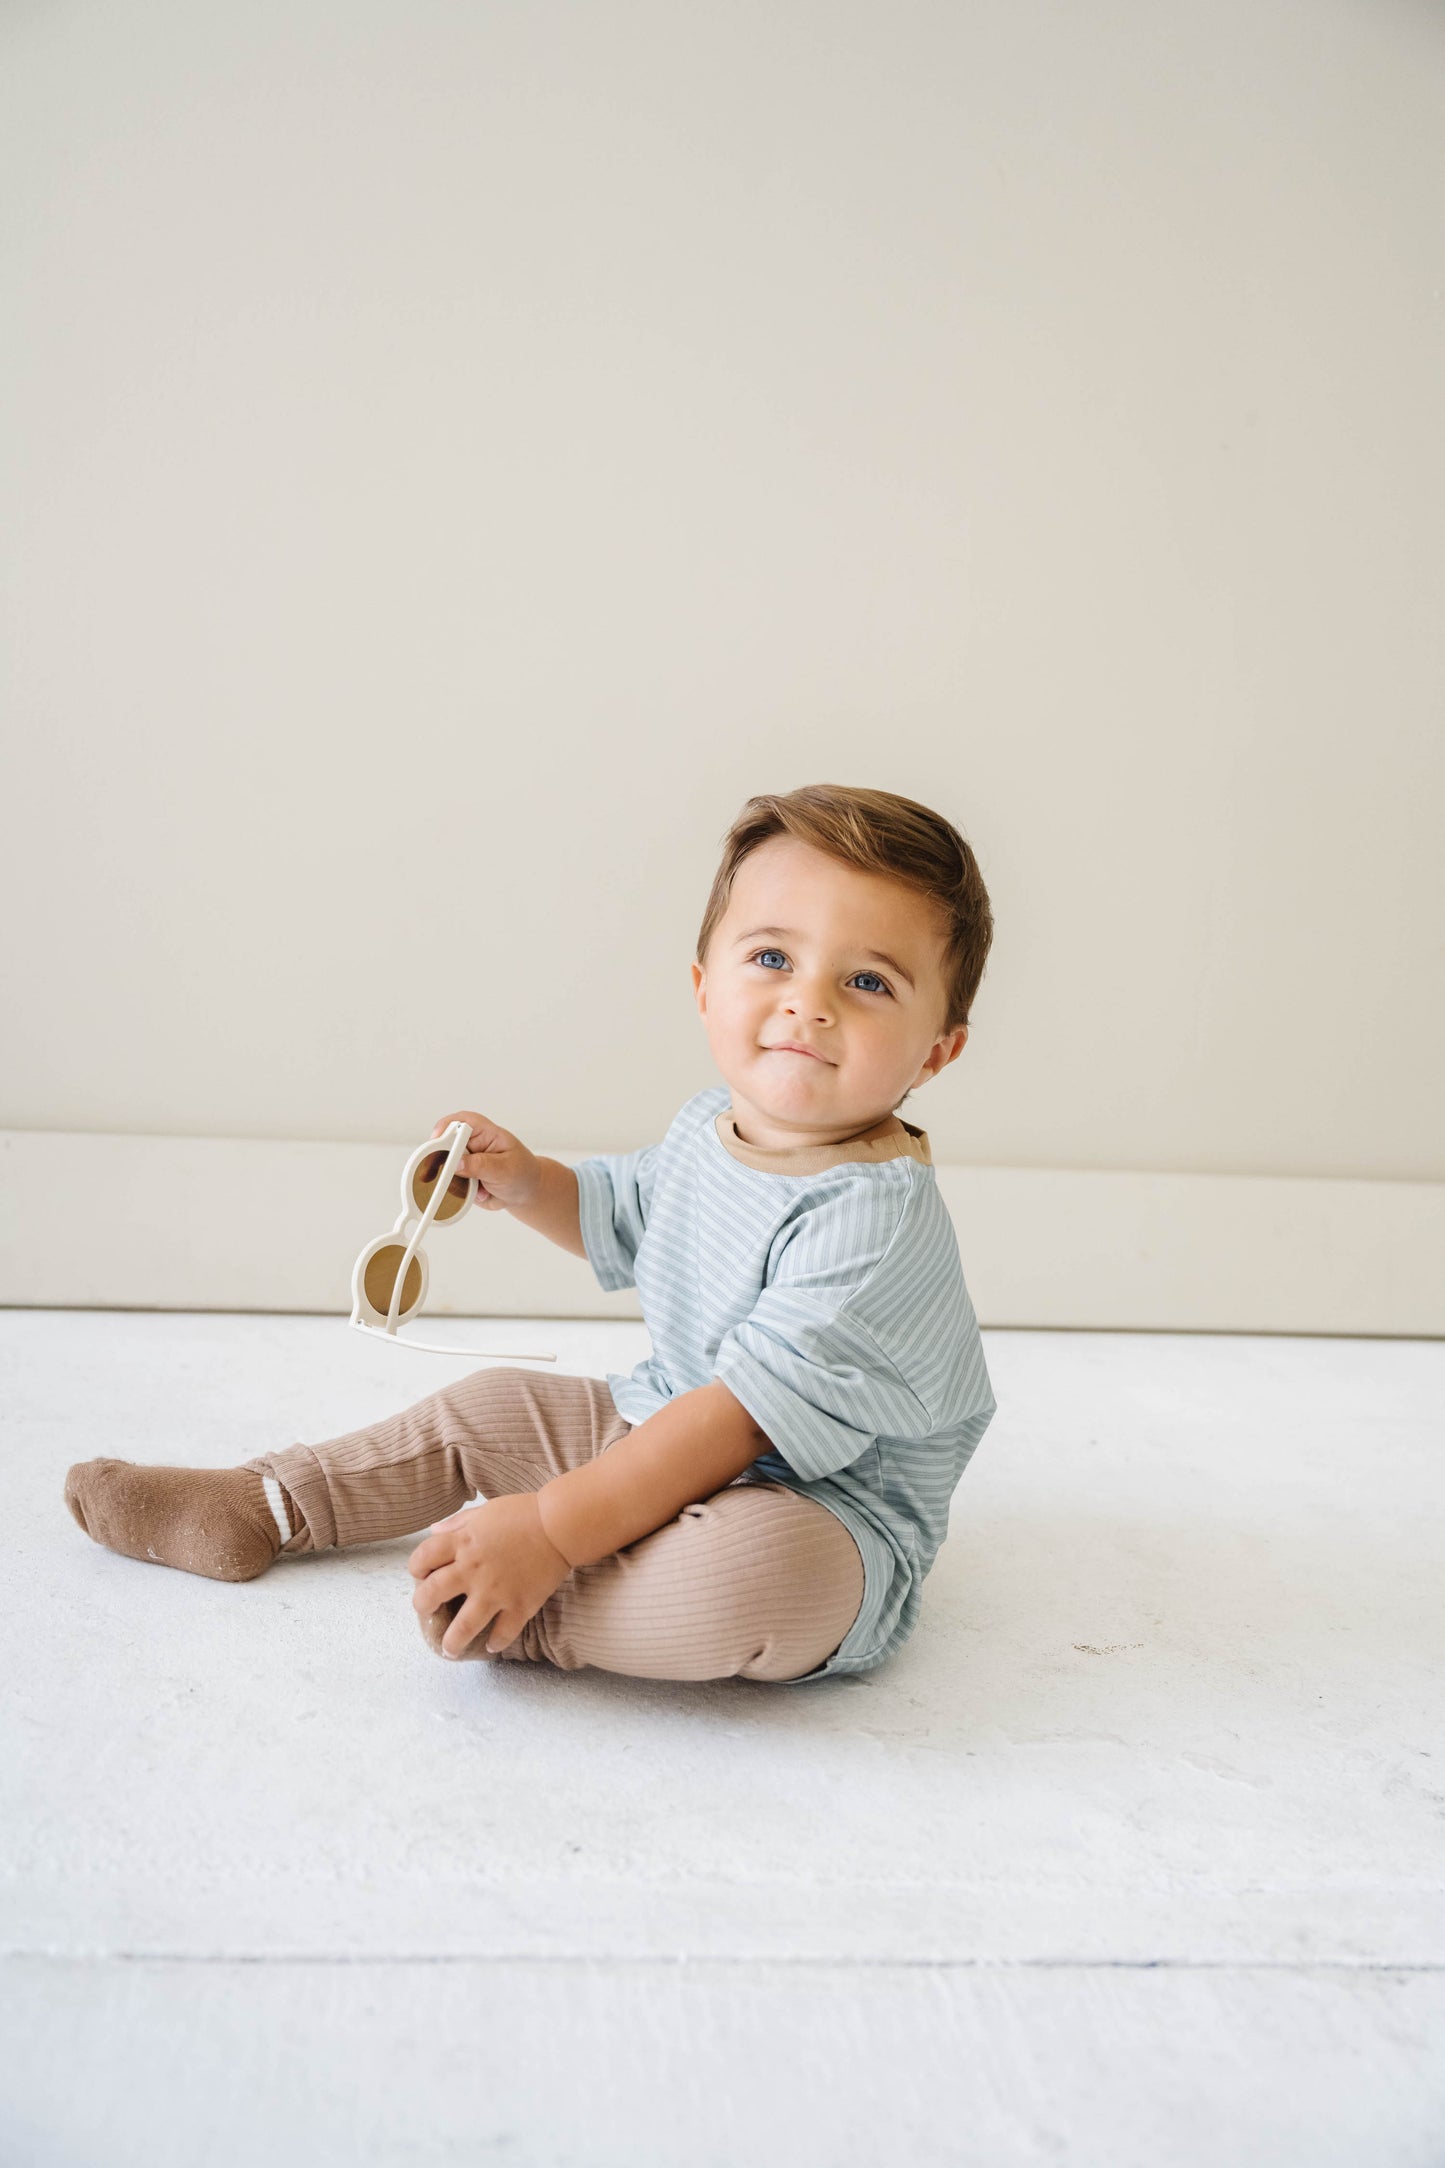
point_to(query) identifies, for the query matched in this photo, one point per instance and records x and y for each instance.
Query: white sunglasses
(389, 1279)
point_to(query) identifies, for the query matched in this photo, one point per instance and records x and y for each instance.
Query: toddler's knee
(799, 1596)
(794, 1648)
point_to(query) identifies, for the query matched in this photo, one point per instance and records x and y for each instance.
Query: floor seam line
(856, 1964)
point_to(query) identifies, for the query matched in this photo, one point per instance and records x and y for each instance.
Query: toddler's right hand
(507, 1173)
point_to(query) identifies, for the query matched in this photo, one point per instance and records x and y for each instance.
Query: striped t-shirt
(822, 1285)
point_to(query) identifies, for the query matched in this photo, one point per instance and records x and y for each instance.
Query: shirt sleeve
(811, 1373)
(614, 1194)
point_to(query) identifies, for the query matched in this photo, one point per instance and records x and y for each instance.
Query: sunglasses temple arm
(435, 1347)
(439, 1190)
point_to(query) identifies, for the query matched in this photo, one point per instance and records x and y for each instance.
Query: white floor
(1135, 1855)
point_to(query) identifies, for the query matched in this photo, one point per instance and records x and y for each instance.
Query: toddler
(762, 1497)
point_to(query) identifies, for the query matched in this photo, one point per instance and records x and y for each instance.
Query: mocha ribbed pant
(755, 1582)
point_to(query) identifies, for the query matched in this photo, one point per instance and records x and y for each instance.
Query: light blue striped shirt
(823, 1286)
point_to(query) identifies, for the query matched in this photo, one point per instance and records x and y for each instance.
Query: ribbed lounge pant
(755, 1582)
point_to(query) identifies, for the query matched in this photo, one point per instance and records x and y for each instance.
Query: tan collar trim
(892, 1138)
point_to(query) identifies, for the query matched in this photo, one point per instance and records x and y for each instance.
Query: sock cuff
(276, 1500)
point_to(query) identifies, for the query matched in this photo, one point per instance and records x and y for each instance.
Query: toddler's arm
(553, 1207)
(507, 1555)
(688, 1450)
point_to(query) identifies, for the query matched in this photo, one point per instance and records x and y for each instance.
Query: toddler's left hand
(498, 1556)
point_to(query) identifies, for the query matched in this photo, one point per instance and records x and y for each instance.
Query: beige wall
(454, 455)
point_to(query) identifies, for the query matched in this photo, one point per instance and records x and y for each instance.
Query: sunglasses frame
(452, 1143)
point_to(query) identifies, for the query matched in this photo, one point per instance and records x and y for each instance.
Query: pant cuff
(305, 1478)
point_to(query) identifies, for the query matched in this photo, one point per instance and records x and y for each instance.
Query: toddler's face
(798, 959)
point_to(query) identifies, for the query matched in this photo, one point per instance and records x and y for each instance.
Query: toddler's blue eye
(758, 955)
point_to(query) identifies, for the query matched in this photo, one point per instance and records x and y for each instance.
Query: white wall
(454, 455)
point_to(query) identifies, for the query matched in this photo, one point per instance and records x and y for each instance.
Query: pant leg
(497, 1431)
(756, 1582)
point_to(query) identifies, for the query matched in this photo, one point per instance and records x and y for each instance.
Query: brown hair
(878, 833)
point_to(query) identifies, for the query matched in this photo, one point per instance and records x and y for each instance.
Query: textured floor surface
(1135, 1855)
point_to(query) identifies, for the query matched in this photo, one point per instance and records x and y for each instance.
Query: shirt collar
(892, 1138)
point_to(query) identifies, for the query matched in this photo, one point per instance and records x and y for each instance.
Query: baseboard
(226, 1223)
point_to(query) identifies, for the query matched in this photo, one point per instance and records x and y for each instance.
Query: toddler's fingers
(504, 1632)
(438, 1588)
(431, 1552)
(467, 1624)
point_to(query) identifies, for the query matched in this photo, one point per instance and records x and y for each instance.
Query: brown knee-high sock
(221, 1522)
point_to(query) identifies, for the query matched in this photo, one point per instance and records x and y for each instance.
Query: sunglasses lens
(424, 1181)
(379, 1279)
